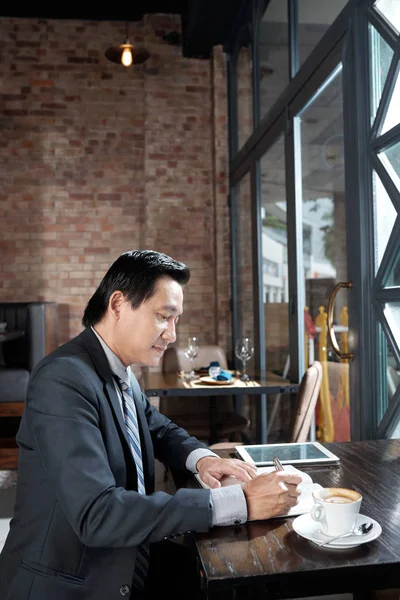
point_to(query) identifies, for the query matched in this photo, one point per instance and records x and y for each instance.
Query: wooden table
(171, 384)
(267, 559)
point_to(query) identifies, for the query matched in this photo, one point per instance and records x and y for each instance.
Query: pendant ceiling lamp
(127, 54)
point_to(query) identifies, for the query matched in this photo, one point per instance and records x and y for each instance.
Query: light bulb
(126, 57)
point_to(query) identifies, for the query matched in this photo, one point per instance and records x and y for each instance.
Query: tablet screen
(296, 453)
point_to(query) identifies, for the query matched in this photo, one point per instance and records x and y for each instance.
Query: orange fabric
(342, 425)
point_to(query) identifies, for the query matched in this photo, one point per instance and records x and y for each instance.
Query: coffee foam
(338, 500)
(339, 495)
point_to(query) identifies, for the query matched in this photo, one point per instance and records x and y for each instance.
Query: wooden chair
(306, 401)
(193, 413)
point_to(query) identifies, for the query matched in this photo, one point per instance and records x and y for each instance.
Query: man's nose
(170, 333)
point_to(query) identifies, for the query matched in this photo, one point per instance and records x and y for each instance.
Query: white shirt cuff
(195, 456)
(229, 506)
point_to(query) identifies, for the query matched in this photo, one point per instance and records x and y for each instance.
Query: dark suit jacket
(78, 517)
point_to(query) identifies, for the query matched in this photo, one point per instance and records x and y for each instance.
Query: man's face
(141, 335)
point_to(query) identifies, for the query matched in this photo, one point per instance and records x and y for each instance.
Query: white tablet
(306, 453)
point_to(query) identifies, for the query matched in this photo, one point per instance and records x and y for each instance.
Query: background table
(170, 384)
(267, 559)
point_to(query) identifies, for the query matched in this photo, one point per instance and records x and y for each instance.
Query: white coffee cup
(336, 509)
(3, 327)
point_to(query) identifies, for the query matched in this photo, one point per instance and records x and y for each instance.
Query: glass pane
(390, 9)
(392, 116)
(392, 314)
(245, 289)
(391, 161)
(390, 379)
(393, 279)
(381, 55)
(275, 281)
(324, 251)
(245, 261)
(314, 19)
(385, 216)
(274, 257)
(244, 95)
(274, 54)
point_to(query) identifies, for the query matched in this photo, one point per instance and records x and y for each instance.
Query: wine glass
(191, 351)
(244, 350)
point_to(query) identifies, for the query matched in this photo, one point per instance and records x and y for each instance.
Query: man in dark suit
(87, 522)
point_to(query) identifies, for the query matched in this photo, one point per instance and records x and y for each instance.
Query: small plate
(306, 527)
(211, 381)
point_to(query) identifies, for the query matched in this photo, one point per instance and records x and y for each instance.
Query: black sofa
(39, 323)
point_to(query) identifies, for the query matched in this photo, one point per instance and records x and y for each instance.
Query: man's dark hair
(135, 274)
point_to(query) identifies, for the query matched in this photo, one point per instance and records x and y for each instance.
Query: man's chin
(153, 360)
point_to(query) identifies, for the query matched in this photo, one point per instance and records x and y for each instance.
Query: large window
(324, 159)
(324, 250)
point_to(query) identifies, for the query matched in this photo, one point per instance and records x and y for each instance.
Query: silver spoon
(360, 530)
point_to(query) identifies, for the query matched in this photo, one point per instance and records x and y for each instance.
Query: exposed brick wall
(97, 159)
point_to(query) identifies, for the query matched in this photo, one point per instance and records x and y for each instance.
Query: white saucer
(306, 527)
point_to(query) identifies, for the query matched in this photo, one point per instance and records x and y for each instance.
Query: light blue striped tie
(142, 555)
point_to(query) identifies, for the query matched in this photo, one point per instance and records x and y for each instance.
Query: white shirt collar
(115, 363)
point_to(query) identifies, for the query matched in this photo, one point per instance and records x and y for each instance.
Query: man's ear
(117, 298)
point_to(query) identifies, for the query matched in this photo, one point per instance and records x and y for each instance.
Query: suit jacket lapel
(104, 372)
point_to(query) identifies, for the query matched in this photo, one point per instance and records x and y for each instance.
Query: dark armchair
(35, 327)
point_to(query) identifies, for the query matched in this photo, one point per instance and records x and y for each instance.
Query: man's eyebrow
(169, 308)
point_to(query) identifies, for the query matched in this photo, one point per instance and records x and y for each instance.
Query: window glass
(274, 54)
(391, 161)
(391, 382)
(392, 116)
(244, 95)
(392, 314)
(324, 251)
(390, 9)
(381, 55)
(243, 239)
(393, 278)
(275, 257)
(385, 216)
(315, 17)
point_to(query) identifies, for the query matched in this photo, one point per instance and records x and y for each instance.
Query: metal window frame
(385, 418)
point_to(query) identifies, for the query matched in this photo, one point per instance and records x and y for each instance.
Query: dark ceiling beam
(208, 23)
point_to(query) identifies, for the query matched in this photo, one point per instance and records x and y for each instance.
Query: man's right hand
(271, 494)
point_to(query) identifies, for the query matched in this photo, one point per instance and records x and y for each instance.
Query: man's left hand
(212, 469)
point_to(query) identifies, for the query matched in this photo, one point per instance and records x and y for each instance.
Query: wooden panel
(11, 409)
(8, 453)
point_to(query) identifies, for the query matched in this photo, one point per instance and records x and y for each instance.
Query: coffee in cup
(336, 509)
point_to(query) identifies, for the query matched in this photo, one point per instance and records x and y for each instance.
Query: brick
(105, 160)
